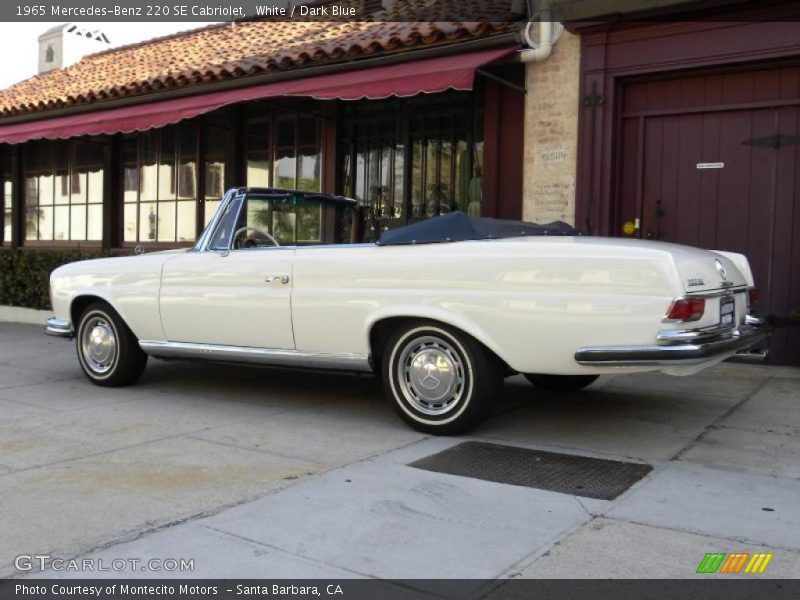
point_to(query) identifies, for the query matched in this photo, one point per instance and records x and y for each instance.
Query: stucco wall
(551, 134)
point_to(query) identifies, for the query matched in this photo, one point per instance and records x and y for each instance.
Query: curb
(18, 314)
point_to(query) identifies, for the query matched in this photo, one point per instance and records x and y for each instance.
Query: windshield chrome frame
(205, 238)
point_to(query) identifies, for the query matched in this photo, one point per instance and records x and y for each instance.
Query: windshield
(256, 217)
(221, 240)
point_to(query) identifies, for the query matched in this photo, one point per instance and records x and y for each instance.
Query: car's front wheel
(561, 383)
(108, 352)
(440, 380)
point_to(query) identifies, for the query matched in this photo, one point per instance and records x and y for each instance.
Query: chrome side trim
(59, 328)
(264, 356)
(717, 292)
(743, 338)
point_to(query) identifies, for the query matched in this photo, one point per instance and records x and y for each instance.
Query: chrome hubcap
(98, 345)
(431, 375)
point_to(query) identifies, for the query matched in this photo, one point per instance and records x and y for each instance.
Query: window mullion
(138, 185)
(453, 171)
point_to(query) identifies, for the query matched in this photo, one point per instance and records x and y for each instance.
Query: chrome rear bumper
(679, 347)
(58, 328)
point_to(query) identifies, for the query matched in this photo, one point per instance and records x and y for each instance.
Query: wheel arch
(382, 325)
(83, 300)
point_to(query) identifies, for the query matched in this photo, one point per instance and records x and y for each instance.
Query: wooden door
(723, 176)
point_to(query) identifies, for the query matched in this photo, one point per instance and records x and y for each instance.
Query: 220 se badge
(442, 310)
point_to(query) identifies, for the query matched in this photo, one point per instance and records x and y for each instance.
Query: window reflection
(159, 179)
(6, 198)
(308, 170)
(309, 222)
(216, 144)
(402, 166)
(64, 187)
(7, 215)
(258, 154)
(283, 150)
(77, 221)
(130, 187)
(187, 162)
(284, 221)
(292, 219)
(285, 165)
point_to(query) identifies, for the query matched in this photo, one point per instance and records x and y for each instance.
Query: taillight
(754, 295)
(686, 309)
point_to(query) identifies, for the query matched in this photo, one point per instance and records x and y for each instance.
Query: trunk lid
(704, 270)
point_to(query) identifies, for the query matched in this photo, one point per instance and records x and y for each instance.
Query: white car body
(552, 305)
(533, 301)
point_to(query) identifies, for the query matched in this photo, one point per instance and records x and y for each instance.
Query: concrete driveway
(267, 473)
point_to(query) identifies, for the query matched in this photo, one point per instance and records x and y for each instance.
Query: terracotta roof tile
(247, 48)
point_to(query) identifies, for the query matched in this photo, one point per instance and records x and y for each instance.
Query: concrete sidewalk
(266, 473)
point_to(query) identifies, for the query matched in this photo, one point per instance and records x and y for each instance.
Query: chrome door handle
(282, 278)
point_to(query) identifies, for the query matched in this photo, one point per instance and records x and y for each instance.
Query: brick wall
(551, 134)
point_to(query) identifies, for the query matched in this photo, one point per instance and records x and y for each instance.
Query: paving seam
(715, 424)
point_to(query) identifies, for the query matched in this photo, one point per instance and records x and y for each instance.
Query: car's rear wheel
(440, 380)
(561, 383)
(108, 352)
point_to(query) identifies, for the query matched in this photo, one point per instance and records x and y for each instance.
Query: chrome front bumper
(679, 347)
(59, 328)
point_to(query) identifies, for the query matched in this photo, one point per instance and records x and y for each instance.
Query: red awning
(405, 79)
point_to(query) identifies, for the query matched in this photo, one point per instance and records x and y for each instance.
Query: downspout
(544, 48)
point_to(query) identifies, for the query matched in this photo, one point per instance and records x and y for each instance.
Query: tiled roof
(244, 49)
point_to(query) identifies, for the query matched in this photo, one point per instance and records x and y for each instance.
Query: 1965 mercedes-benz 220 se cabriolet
(442, 310)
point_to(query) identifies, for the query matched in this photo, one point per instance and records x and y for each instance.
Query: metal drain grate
(565, 473)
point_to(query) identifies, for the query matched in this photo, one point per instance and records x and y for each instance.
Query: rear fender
(433, 313)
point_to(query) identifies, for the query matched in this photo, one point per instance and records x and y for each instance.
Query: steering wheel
(250, 242)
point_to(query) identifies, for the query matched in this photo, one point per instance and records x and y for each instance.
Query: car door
(237, 299)
(229, 297)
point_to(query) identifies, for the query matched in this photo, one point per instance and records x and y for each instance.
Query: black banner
(371, 589)
(564, 11)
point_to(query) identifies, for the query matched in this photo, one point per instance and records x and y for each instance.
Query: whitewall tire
(439, 380)
(108, 352)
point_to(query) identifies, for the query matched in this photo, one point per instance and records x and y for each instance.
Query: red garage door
(714, 161)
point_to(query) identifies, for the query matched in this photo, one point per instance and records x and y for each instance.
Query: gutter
(302, 73)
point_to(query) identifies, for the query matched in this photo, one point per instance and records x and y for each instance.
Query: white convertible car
(442, 310)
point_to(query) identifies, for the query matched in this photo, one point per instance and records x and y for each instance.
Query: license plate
(727, 311)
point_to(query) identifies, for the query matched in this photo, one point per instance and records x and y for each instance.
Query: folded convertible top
(458, 227)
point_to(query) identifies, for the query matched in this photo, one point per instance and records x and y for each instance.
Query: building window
(447, 160)
(215, 153)
(64, 190)
(410, 159)
(283, 150)
(259, 144)
(7, 198)
(159, 183)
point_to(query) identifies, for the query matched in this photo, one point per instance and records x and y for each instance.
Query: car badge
(721, 269)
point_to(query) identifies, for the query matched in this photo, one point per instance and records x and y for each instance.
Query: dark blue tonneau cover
(458, 227)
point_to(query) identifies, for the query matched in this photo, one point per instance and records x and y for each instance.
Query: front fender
(130, 285)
